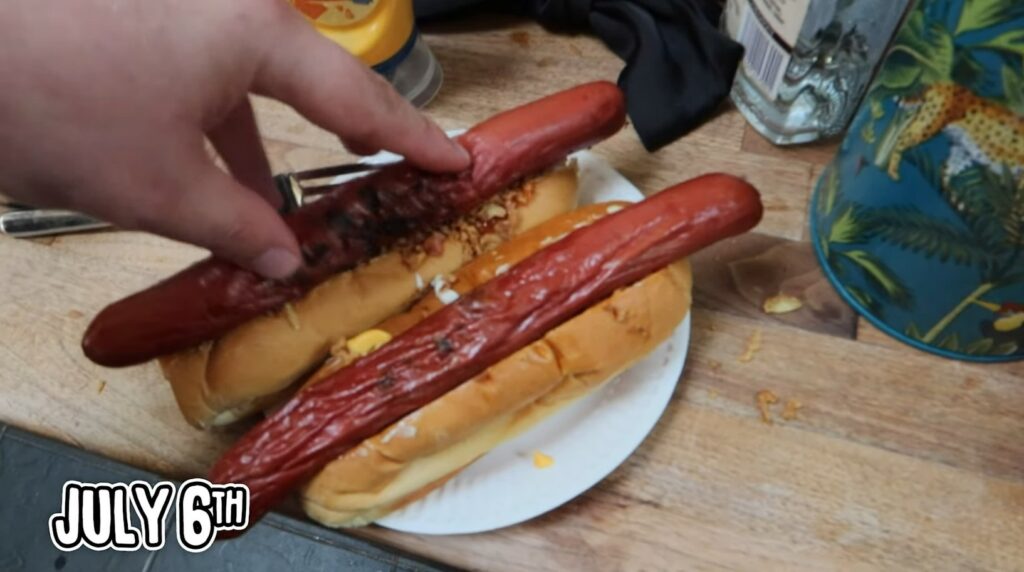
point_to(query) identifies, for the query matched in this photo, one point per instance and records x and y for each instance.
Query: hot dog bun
(425, 448)
(222, 381)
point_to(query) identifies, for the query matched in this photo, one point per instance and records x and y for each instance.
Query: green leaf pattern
(986, 228)
(846, 229)
(980, 14)
(881, 275)
(910, 229)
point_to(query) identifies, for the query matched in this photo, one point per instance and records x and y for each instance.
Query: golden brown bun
(428, 446)
(222, 381)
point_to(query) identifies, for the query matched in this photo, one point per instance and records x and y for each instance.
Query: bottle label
(769, 30)
(337, 13)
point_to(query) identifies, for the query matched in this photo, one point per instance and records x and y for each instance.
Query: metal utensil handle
(30, 222)
(43, 222)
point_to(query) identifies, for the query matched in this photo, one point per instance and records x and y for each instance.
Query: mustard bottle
(383, 34)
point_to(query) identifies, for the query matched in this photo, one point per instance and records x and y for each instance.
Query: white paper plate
(587, 439)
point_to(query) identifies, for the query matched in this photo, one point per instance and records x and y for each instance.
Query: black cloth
(679, 67)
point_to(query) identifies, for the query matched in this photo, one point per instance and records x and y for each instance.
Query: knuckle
(236, 232)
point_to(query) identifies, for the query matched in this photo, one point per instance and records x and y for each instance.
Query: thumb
(217, 212)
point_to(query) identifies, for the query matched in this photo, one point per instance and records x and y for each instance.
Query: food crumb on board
(790, 409)
(782, 304)
(103, 385)
(542, 461)
(715, 365)
(972, 383)
(765, 399)
(75, 314)
(753, 346)
(521, 38)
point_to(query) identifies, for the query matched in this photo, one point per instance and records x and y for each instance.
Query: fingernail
(276, 263)
(462, 152)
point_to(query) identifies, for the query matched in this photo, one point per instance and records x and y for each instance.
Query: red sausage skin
(483, 327)
(354, 223)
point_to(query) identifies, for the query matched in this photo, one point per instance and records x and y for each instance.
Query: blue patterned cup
(919, 220)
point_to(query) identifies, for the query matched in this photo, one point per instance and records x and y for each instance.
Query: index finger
(333, 89)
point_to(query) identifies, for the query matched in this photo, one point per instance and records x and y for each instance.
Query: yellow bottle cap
(372, 30)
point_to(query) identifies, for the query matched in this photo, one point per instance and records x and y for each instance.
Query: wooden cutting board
(895, 459)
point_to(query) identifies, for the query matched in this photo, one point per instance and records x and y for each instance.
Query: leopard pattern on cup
(981, 131)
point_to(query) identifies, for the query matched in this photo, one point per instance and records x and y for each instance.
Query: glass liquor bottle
(807, 62)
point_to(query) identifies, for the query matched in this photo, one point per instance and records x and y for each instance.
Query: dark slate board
(33, 470)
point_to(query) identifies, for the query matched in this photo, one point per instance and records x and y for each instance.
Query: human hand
(106, 104)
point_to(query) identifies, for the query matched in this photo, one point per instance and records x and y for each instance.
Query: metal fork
(296, 188)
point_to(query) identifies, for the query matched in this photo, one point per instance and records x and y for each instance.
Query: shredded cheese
(293, 318)
(765, 399)
(542, 461)
(445, 294)
(553, 239)
(366, 342)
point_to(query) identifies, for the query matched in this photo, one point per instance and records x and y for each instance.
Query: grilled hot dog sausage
(354, 223)
(463, 339)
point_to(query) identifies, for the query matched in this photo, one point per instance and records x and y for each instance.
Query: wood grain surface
(896, 460)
